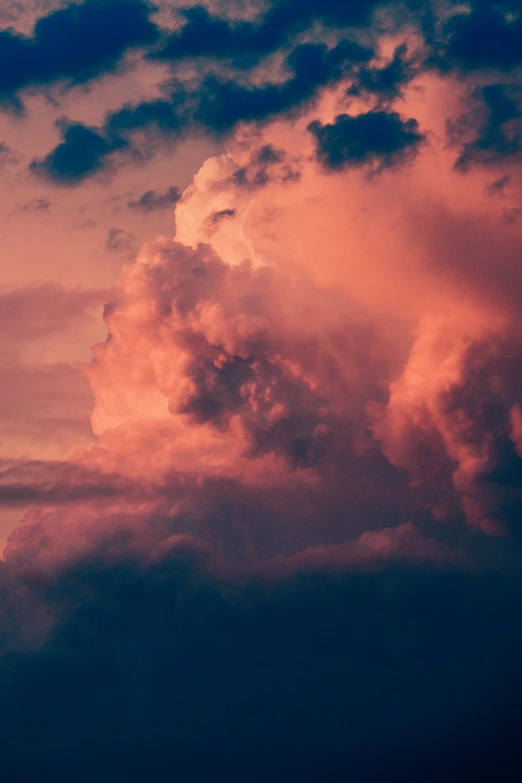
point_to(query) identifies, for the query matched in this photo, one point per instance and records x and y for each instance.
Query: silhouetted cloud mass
(81, 153)
(75, 43)
(378, 138)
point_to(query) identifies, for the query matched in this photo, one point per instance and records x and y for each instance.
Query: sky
(261, 391)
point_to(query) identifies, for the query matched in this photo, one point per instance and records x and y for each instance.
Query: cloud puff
(449, 422)
(75, 43)
(82, 152)
(378, 138)
(121, 241)
(211, 343)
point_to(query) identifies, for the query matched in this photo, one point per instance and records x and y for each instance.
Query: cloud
(82, 152)
(245, 42)
(210, 349)
(292, 550)
(7, 156)
(222, 104)
(227, 88)
(53, 483)
(151, 200)
(266, 164)
(75, 43)
(35, 205)
(342, 669)
(449, 422)
(377, 138)
(497, 186)
(216, 106)
(492, 129)
(483, 37)
(387, 81)
(121, 241)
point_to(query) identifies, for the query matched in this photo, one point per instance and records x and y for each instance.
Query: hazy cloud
(152, 200)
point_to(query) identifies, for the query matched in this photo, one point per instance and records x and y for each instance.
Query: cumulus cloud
(238, 362)
(295, 538)
(449, 422)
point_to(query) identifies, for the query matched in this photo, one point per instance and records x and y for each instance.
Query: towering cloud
(451, 422)
(292, 550)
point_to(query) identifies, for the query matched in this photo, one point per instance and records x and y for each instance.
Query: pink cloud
(307, 360)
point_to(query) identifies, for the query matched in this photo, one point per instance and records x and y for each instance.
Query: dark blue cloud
(222, 92)
(377, 138)
(205, 35)
(81, 152)
(491, 131)
(76, 43)
(223, 103)
(388, 81)
(488, 36)
(164, 672)
(215, 106)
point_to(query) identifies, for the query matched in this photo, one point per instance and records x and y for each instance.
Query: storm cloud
(268, 527)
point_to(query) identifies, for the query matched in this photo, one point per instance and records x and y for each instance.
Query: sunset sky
(261, 391)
